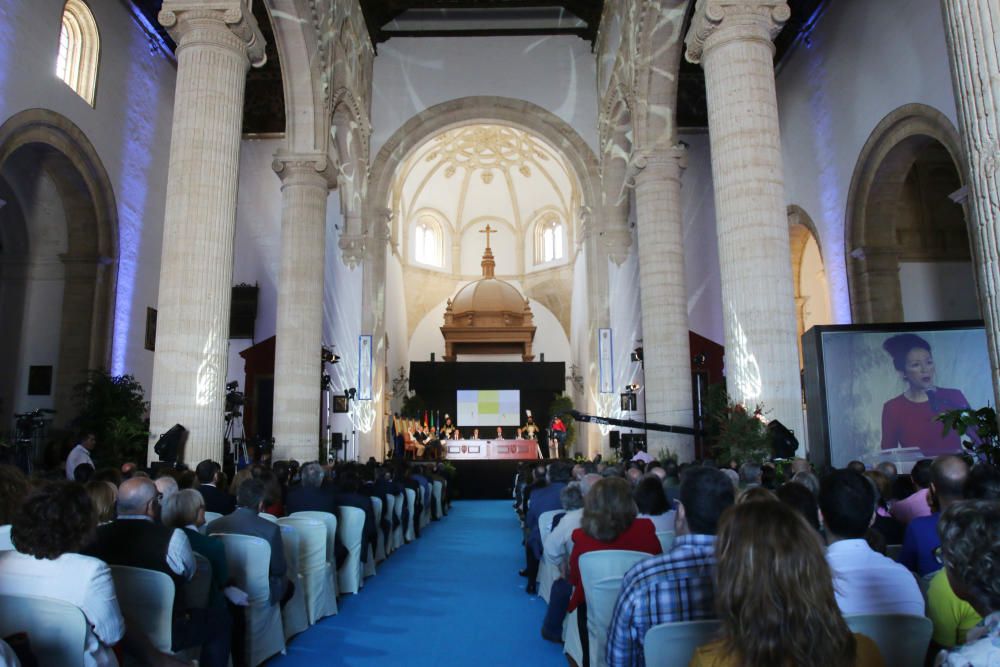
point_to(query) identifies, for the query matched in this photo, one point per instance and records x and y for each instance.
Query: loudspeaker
(243, 311)
(432, 356)
(615, 439)
(170, 446)
(541, 357)
(337, 441)
(783, 441)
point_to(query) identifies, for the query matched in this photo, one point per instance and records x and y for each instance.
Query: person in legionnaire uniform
(448, 429)
(530, 432)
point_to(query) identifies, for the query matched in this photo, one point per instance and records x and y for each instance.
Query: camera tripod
(236, 437)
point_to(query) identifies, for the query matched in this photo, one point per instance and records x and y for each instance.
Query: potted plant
(735, 432)
(114, 407)
(982, 423)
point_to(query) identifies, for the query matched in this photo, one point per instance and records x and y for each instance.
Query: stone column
(732, 41)
(666, 347)
(305, 185)
(216, 43)
(974, 50)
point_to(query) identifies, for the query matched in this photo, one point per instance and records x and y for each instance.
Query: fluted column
(305, 185)
(732, 41)
(974, 51)
(216, 43)
(666, 348)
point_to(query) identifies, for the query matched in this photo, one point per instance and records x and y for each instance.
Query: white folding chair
(411, 502)
(437, 492)
(315, 571)
(5, 542)
(379, 539)
(269, 517)
(390, 514)
(425, 514)
(248, 559)
(547, 572)
(902, 639)
(196, 592)
(601, 573)
(57, 630)
(666, 538)
(398, 532)
(674, 644)
(351, 524)
(146, 598)
(329, 520)
(294, 616)
(209, 518)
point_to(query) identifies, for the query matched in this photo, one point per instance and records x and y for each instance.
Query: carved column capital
(718, 21)
(291, 167)
(225, 23)
(658, 164)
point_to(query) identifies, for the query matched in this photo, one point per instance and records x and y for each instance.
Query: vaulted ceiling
(264, 107)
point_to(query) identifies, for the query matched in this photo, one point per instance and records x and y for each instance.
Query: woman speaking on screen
(908, 419)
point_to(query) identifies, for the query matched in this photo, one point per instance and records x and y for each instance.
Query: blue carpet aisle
(453, 597)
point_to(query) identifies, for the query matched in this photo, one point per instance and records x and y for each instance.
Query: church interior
(459, 240)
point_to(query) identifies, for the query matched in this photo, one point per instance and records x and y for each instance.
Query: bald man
(948, 474)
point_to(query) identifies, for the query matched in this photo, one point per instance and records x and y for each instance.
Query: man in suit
(244, 521)
(542, 500)
(312, 495)
(216, 499)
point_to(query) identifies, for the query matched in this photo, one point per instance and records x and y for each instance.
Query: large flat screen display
(879, 390)
(489, 407)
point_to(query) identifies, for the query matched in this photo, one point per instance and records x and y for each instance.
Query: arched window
(427, 242)
(550, 240)
(79, 50)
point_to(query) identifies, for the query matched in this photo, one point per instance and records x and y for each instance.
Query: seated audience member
(750, 475)
(559, 542)
(310, 495)
(865, 582)
(103, 499)
(888, 468)
(166, 485)
(808, 479)
(886, 525)
(754, 494)
(678, 585)
(13, 489)
(48, 530)
(216, 499)
(733, 476)
(856, 466)
(633, 475)
(948, 475)
(274, 494)
(952, 616)
(83, 473)
(970, 549)
(348, 494)
(542, 499)
(609, 521)
(802, 500)
(917, 503)
(652, 503)
(186, 510)
(799, 465)
(774, 596)
(244, 521)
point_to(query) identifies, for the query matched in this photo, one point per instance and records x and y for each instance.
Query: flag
(426, 419)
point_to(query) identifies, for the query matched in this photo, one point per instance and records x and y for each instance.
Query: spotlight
(636, 354)
(699, 359)
(632, 388)
(328, 356)
(350, 393)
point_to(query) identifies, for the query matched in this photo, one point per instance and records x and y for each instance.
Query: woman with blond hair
(103, 497)
(774, 596)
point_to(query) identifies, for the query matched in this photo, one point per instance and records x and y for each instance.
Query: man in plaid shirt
(675, 586)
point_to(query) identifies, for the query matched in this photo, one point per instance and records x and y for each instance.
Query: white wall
(936, 291)
(865, 60)
(129, 127)
(555, 72)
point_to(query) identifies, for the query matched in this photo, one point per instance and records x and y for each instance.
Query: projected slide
(489, 407)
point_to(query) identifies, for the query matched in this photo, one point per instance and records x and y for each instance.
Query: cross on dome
(488, 231)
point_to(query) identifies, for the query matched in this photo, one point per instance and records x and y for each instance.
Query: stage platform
(492, 450)
(485, 480)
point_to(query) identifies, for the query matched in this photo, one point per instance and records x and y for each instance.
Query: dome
(488, 295)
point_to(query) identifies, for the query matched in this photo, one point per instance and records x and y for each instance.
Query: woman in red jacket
(609, 522)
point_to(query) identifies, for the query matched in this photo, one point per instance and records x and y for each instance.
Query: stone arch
(50, 142)
(877, 185)
(801, 232)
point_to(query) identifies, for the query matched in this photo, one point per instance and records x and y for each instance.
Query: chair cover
(294, 617)
(437, 493)
(5, 543)
(269, 517)
(425, 515)
(313, 568)
(666, 538)
(673, 644)
(571, 638)
(351, 526)
(211, 516)
(411, 500)
(602, 572)
(329, 520)
(248, 559)
(379, 540)
(146, 598)
(390, 513)
(398, 531)
(57, 630)
(547, 572)
(902, 639)
(195, 592)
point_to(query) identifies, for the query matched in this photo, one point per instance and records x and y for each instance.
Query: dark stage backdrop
(539, 383)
